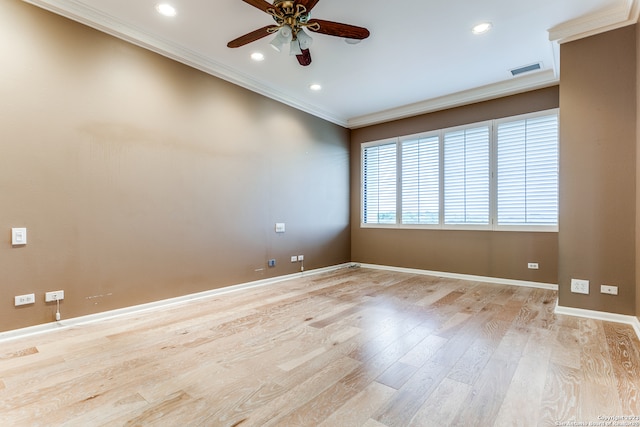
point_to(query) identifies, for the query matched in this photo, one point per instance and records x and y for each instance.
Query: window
(421, 181)
(527, 172)
(466, 176)
(497, 175)
(379, 184)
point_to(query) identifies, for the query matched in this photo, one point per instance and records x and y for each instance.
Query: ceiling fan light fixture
(282, 37)
(305, 39)
(166, 9)
(295, 48)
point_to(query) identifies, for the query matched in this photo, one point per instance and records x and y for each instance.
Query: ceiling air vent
(526, 69)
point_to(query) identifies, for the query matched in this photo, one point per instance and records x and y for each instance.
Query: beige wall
(139, 178)
(598, 170)
(484, 253)
(637, 260)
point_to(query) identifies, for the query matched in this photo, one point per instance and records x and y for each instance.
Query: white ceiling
(421, 55)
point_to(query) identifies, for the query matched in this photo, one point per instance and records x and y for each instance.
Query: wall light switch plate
(280, 227)
(18, 236)
(533, 266)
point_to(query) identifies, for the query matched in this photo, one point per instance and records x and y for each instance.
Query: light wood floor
(354, 347)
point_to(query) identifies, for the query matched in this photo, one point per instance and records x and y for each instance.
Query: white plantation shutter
(379, 181)
(421, 181)
(527, 171)
(467, 176)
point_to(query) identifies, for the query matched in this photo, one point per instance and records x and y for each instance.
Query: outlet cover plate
(24, 299)
(579, 286)
(611, 290)
(54, 296)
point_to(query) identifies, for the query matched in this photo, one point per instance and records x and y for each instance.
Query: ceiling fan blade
(309, 4)
(251, 37)
(260, 4)
(305, 58)
(337, 29)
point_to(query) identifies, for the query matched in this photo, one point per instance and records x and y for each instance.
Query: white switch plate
(611, 290)
(279, 227)
(533, 266)
(300, 257)
(18, 236)
(579, 286)
(24, 299)
(294, 258)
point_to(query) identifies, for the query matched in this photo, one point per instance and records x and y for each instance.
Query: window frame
(493, 177)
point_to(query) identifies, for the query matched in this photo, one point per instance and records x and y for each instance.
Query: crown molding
(513, 86)
(626, 12)
(105, 23)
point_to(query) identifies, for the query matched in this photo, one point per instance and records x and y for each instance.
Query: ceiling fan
(291, 17)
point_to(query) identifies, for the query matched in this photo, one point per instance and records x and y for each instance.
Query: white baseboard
(600, 315)
(83, 320)
(497, 280)
(91, 318)
(590, 314)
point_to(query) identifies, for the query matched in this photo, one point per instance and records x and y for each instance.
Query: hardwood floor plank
(525, 392)
(561, 400)
(402, 407)
(443, 405)
(485, 399)
(354, 347)
(396, 375)
(423, 351)
(625, 354)
(292, 399)
(566, 349)
(357, 410)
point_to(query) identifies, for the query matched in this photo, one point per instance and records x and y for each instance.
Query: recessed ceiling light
(482, 28)
(166, 9)
(257, 56)
(315, 87)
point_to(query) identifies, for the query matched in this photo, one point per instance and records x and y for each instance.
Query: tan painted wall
(598, 169)
(140, 179)
(484, 253)
(637, 261)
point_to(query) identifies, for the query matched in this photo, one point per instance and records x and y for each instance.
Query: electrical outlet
(24, 299)
(54, 296)
(611, 290)
(533, 266)
(294, 258)
(579, 286)
(272, 263)
(300, 257)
